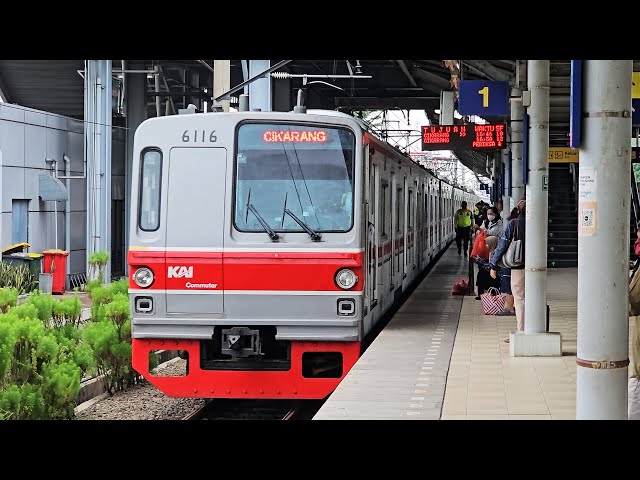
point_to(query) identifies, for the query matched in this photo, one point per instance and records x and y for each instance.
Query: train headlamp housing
(143, 277)
(346, 278)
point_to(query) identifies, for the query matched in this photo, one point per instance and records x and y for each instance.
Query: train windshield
(307, 170)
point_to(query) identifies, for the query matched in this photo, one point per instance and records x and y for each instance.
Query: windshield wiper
(315, 236)
(274, 236)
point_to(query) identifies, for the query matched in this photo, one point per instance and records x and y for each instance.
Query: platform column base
(548, 344)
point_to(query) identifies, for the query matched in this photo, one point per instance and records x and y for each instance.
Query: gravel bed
(143, 402)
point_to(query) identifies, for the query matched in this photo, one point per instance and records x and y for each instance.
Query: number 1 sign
(483, 98)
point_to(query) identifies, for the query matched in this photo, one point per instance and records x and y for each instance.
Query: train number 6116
(199, 136)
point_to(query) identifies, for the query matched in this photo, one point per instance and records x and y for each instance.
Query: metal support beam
(98, 116)
(489, 70)
(405, 70)
(603, 241)
(388, 103)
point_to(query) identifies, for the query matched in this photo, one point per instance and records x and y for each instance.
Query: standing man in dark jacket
(515, 227)
(463, 221)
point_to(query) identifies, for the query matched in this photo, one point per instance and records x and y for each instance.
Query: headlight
(345, 278)
(143, 277)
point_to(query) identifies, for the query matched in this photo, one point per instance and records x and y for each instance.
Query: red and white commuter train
(265, 245)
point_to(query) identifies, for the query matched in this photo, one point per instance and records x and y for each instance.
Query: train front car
(246, 252)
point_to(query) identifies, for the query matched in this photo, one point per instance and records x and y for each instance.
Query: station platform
(440, 357)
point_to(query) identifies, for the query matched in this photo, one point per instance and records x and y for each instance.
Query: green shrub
(18, 277)
(24, 402)
(41, 364)
(109, 336)
(99, 259)
(91, 285)
(8, 298)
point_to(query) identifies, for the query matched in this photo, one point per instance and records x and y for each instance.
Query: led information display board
(464, 137)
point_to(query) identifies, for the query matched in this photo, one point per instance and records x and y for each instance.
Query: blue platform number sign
(482, 98)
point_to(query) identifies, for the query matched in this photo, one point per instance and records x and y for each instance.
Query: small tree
(98, 260)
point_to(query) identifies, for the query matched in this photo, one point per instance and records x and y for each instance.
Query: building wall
(27, 138)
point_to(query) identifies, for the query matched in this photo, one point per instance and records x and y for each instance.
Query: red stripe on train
(217, 271)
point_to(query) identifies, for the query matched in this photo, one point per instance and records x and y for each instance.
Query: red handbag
(460, 287)
(480, 248)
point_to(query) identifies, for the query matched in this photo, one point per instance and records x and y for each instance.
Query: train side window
(150, 176)
(399, 211)
(409, 210)
(383, 199)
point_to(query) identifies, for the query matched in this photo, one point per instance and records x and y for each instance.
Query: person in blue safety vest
(463, 221)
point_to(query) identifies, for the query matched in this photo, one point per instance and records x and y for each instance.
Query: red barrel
(55, 262)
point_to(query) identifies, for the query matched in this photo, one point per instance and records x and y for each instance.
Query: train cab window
(287, 171)
(150, 176)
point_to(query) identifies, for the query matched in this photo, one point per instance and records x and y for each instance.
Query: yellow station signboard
(563, 155)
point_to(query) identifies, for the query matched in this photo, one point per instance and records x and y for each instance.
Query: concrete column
(221, 81)
(260, 89)
(535, 341)
(537, 199)
(136, 112)
(603, 241)
(98, 120)
(517, 111)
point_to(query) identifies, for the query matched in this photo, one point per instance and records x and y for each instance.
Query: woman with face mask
(493, 224)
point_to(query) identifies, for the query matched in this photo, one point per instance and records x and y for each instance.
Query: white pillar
(537, 213)
(98, 120)
(603, 241)
(517, 111)
(535, 340)
(260, 89)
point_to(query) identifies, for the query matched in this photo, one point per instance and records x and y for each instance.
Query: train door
(406, 237)
(194, 238)
(394, 227)
(370, 232)
(385, 234)
(418, 255)
(398, 238)
(378, 225)
(430, 210)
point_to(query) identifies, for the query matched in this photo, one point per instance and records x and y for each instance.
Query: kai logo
(180, 272)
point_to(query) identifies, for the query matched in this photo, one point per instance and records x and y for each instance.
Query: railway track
(255, 410)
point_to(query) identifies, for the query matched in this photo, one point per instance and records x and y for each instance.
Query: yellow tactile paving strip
(485, 382)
